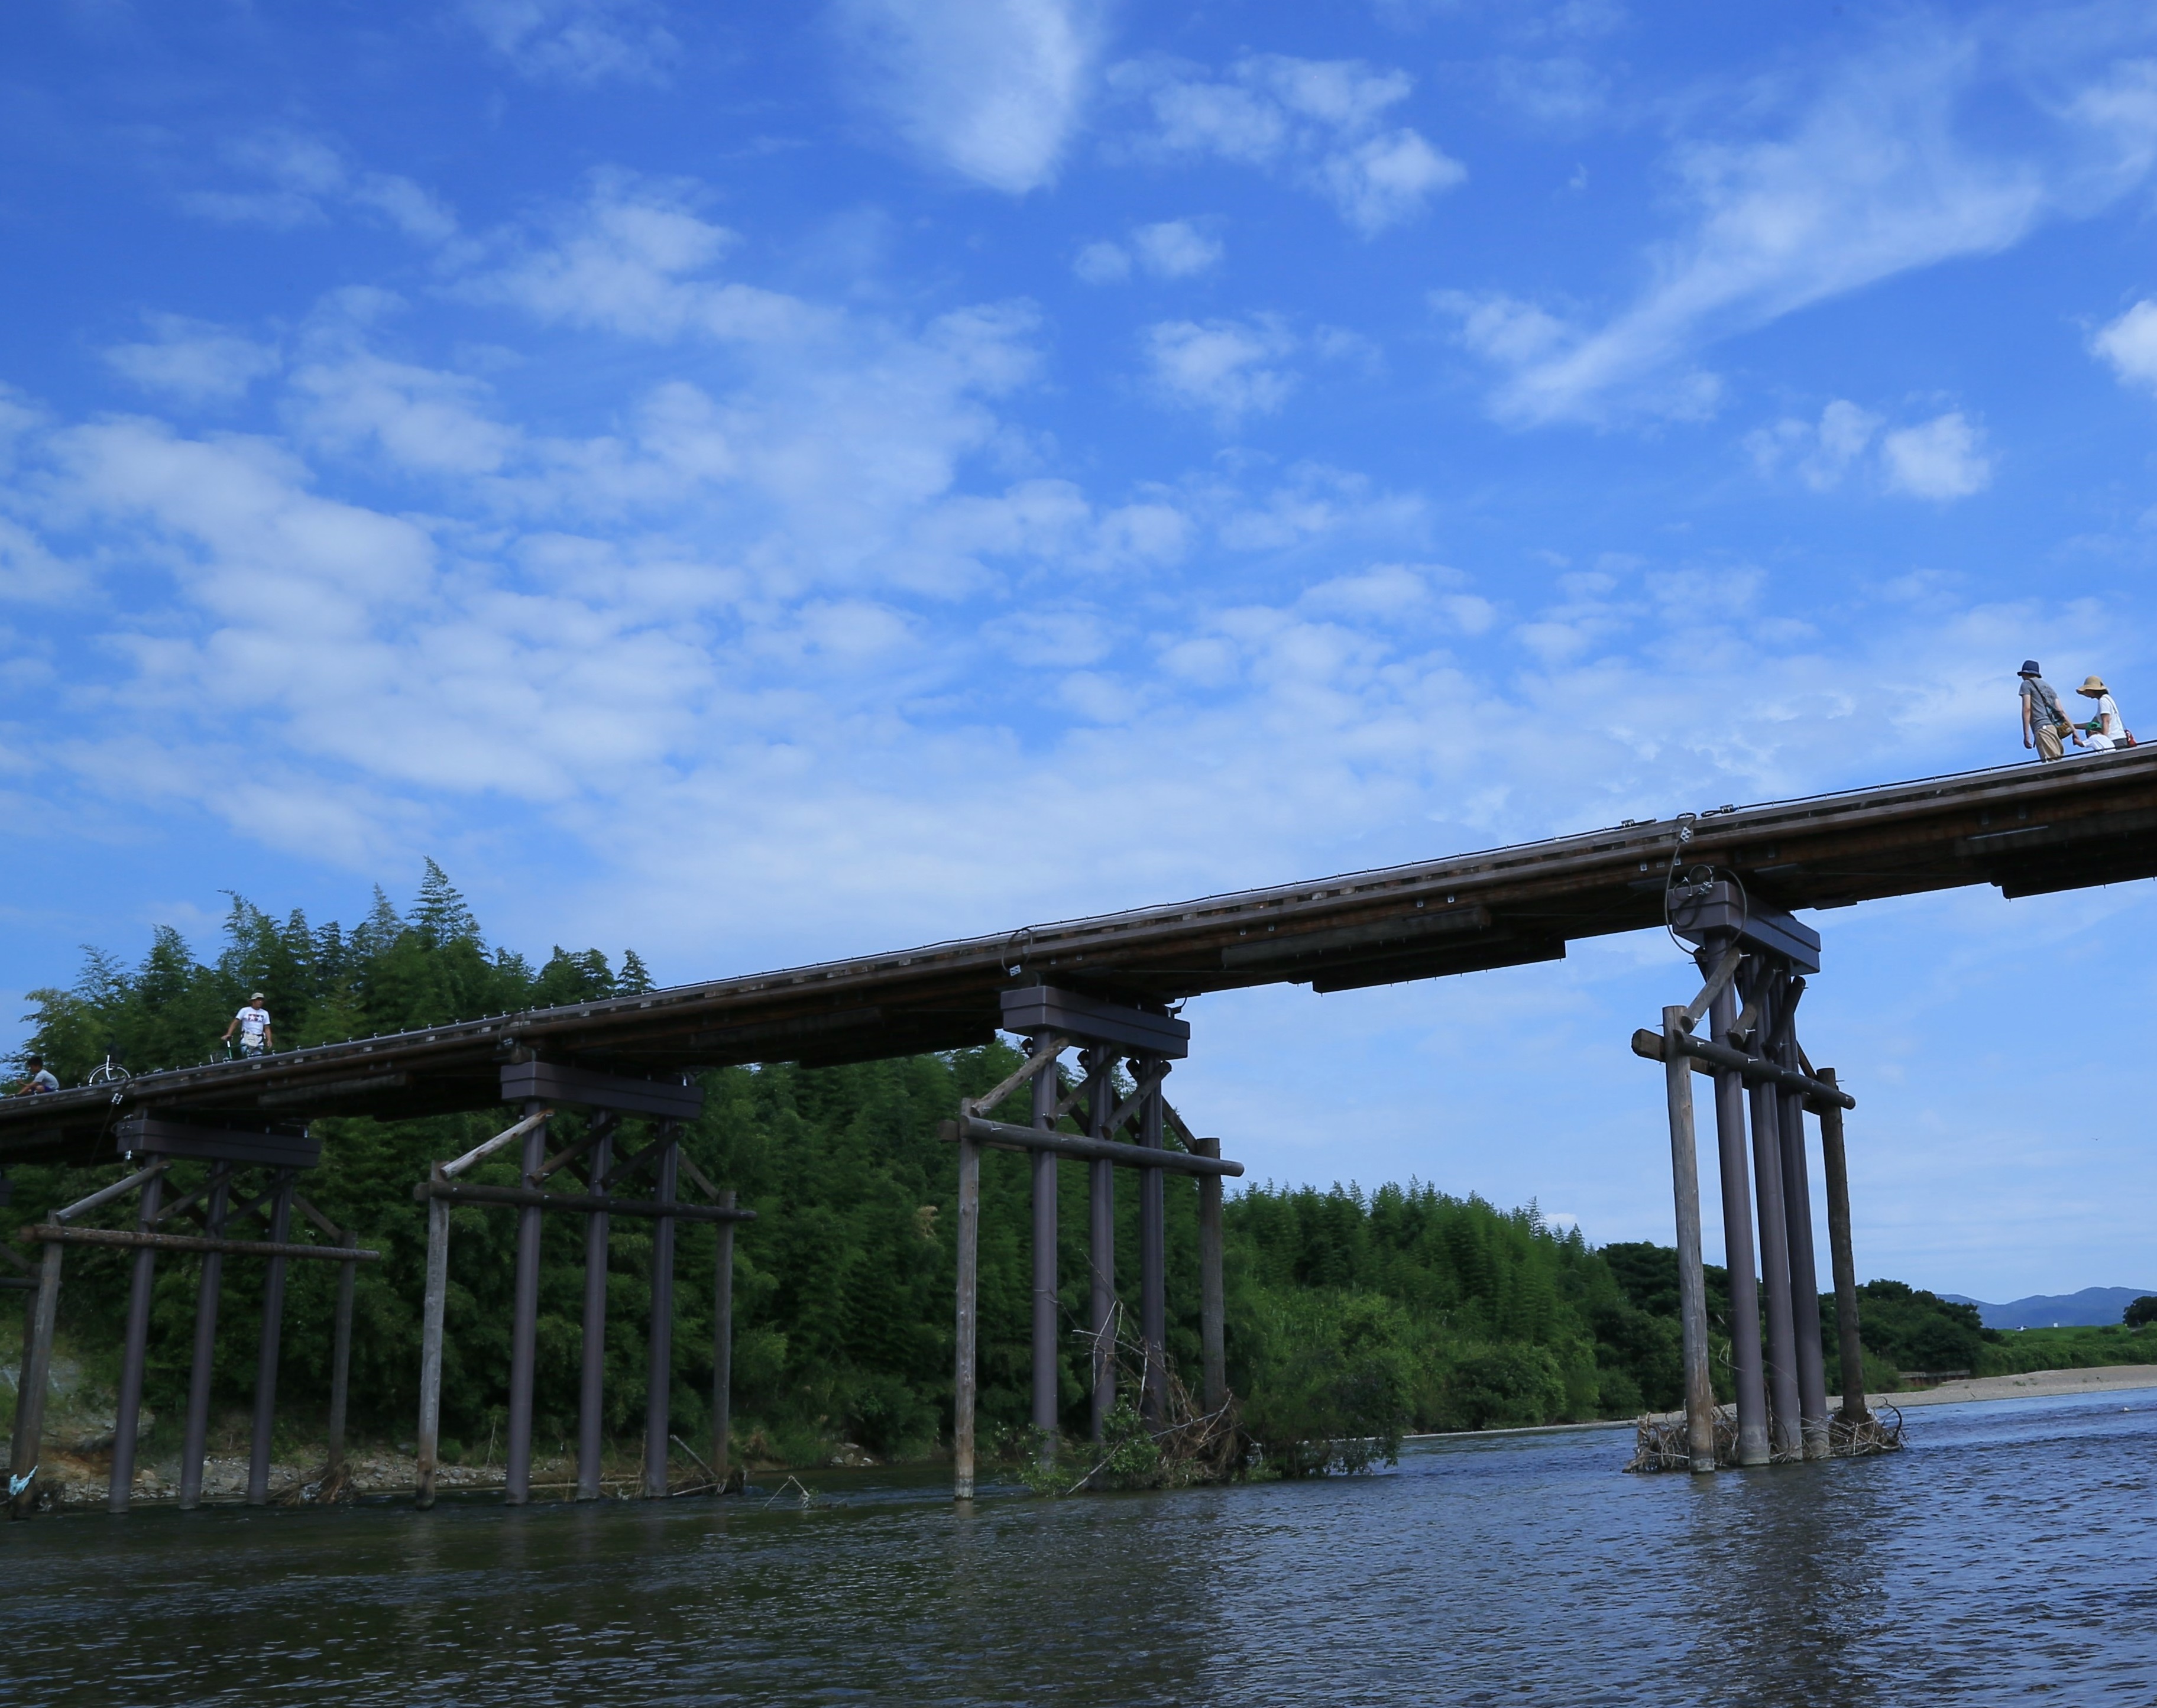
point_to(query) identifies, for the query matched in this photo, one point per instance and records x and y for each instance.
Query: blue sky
(764, 483)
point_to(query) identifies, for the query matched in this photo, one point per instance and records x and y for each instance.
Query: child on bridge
(40, 1080)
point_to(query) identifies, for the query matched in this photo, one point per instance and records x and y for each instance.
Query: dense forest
(1349, 1313)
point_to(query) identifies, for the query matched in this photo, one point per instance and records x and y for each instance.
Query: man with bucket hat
(2043, 722)
(2106, 730)
(253, 1024)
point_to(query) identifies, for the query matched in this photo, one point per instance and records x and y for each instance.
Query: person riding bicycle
(252, 1023)
(40, 1081)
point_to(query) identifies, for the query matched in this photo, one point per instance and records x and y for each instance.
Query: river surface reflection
(2010, 1553)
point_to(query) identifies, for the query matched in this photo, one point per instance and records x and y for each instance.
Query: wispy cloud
(1231, 370)
(1875, 175)
(2130, 344)
(1821, 453)
(578, 41)
(295, 176)
(1942, 459)
(192, 361)
(991, 89)
(1323, 123)
(1170, 248)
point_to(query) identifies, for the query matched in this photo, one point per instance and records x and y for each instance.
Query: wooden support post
(134, 1353)
(194, 1440)
(524, 1322)
(1805, 1275)
(722, 1350)
(33, 1379)
(1692, 1275)
(1153, 1261)
(430, 1347)
(659, 1372)
(341, 1352)
(1737, 1227)
(965, 1368)
(1101, 1244)
(273, 1336)
(591, 1389)
(1774, 1229)
(1212, 1310)
(1850, 1343)
(1046, 1371)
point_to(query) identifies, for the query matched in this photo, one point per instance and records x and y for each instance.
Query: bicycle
(108, 1072)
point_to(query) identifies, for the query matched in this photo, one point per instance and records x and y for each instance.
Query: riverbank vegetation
(1354, 1316)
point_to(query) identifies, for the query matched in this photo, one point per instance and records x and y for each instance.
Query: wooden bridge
(2028, 829)
(1726, 877)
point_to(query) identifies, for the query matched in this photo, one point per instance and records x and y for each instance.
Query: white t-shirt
(2105, 738)
(252, 1022)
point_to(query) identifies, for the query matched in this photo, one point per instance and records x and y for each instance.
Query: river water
(2009, 1553)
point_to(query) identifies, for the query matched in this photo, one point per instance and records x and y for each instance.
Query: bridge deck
(2029, 828)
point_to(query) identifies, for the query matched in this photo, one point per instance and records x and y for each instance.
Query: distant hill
(2091, 1307)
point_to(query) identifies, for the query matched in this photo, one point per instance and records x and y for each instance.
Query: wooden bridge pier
(276, 1155)
(1051, 1021)
(537, 1086)
(1750, 949)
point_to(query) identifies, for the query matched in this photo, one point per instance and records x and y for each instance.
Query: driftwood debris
(1660, 1444)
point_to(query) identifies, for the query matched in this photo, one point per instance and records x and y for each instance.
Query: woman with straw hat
(2105, 730)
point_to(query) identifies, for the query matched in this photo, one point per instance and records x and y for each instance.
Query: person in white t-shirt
(2105, 730)
(252, 1023)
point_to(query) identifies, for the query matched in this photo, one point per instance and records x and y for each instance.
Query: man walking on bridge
(253, 1024)
(2043, 722)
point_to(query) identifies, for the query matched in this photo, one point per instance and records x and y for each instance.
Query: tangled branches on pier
(1851, 1438)
(1660, 1444)
(1186, 1446)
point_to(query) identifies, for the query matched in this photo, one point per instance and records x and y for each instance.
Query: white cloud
(1873, 177)
(1384, 181)
(31, 574)
(1174, 249)
(578, 41)
(193, 360)
(1231, 368)
(302, 172)
(991, 89)
(1822, 453)
(1940, 460)
(635, 258)
(1170, 248)
(1322, 122)
(1103, 263)
(2130, 344)
(1501, 328)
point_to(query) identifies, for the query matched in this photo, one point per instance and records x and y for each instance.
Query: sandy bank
(2030, 1385)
